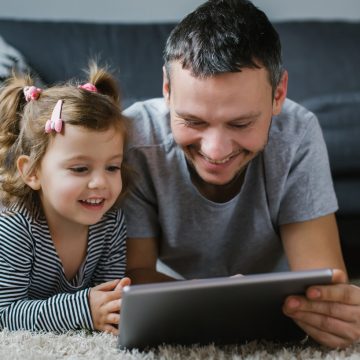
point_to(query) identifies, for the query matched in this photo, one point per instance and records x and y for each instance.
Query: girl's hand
(105, 305)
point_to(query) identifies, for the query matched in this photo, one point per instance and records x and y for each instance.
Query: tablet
(221, 311)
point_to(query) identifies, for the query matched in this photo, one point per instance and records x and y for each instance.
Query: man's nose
(216, 144)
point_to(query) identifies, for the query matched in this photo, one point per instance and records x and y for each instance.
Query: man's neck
(218, 193)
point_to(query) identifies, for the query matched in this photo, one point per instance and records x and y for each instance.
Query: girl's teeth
(93, 201)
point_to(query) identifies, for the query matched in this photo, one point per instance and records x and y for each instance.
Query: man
(232, 177)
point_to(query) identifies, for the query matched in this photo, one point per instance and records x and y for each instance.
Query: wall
(168, 10)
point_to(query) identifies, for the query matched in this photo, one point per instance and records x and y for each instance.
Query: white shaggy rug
(22, 345)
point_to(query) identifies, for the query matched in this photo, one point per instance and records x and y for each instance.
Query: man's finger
(323, 337)
(339, 276)
(344, 312)
(342, 293)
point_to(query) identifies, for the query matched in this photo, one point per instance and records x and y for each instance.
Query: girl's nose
(97, 181)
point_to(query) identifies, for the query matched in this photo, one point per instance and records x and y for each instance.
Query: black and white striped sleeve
(57, 313)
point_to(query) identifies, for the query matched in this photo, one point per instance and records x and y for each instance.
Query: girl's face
(79, 178)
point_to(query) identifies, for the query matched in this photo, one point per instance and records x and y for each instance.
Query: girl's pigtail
(104, 82)
(12, 104)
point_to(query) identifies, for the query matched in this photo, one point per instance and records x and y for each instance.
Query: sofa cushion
(339, 116)
(133, 52)
(320, 56)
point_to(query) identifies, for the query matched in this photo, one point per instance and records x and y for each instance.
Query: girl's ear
(30, 178)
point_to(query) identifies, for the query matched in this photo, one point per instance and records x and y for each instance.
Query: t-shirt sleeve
(58, 313)
(308, 190)
(112, 264)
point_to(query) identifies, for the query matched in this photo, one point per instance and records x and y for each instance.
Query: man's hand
(105, 305)
(329, 314)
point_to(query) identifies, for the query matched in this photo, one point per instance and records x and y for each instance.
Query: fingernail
(293, 303)
(314, 293)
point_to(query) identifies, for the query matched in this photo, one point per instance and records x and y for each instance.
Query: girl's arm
(60, 312)
(112, 263)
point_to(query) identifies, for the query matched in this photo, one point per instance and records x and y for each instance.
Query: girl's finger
(107, 286)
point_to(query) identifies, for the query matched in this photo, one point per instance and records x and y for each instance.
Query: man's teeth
(93, 201)
(223, 161)
(217, 161)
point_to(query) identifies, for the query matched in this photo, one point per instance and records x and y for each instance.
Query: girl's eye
(113, 168)
(79, 169)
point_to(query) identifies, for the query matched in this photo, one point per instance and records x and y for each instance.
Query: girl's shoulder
(114, 216)
(20, 216)
(110, 226)
(19, 235)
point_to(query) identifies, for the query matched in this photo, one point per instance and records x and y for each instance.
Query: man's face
(221, 122)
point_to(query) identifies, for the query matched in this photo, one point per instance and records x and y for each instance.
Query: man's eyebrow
(187, 115)
(247, 116)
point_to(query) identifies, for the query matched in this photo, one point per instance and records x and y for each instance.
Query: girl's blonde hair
(22, 125)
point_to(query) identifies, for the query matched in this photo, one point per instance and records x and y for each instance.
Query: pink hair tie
(88, 87)
(55, 123)
(31, 93)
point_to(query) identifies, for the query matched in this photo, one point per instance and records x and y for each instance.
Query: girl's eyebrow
(85, 158)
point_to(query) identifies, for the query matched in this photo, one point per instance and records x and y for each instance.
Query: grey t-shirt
(288, 182)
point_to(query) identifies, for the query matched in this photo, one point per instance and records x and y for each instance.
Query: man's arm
(142, 255)
(313, 244)
(329, 314)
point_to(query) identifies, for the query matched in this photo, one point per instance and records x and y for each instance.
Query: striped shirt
(34, 292)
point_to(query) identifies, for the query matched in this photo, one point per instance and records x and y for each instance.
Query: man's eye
(240, 126)
(113, 168)
(193, 123)
(79, 169)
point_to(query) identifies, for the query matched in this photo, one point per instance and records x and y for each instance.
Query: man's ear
(280, 93)
(166, 86)
(30, 178)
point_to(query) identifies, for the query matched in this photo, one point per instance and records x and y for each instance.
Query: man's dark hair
(225, 36)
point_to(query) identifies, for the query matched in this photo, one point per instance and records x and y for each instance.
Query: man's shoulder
(293, 122)
(152, 107)
(149, 123)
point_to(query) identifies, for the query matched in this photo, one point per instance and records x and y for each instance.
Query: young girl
(62, 241)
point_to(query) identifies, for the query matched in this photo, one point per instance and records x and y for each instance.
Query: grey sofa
(322, 59)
